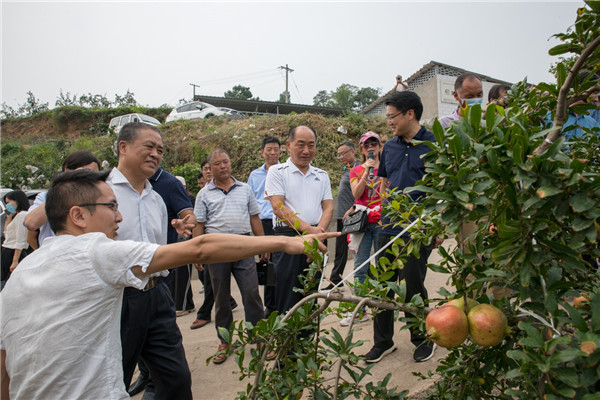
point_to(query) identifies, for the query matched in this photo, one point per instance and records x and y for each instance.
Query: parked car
(193, 110)
(234, 114)
(117, 122)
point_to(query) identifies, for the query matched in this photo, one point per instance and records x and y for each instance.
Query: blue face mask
(472, 102)
(10, 208)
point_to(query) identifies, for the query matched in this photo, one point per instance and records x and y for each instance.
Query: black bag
(356, 221)
(266, 273)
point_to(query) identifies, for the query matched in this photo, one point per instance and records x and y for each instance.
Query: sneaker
(360, 317)
(375, 355)
(424, 351)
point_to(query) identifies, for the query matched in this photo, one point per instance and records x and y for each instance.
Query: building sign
(447, 90)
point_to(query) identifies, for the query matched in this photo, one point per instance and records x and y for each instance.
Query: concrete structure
(434, 83)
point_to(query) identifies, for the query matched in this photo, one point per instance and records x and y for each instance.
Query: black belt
(152, 282)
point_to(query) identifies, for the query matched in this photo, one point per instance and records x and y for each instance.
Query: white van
(117, 122)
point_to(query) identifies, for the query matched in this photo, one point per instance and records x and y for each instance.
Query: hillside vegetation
(33, 148)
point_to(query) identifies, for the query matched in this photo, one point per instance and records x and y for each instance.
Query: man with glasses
(76, 281)
(346, 154)
(149, 328)
(401, 166)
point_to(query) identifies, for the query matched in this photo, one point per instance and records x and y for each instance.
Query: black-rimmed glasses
(113, 205)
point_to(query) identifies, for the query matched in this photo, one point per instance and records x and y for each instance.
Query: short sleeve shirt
(175, 197)
(256, 181)
(403, 164)
(345, 198)
(45, 230)
(74, 351)
(226, 212)
(302, 193)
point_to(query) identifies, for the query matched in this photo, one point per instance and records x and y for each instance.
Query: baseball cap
(369, 135)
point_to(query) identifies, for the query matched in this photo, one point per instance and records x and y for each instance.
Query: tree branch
(561, 110)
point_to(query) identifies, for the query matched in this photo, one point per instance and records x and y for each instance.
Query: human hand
(185, 225)
(13, 265)
(199, 267)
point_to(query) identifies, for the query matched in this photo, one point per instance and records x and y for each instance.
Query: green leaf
(462, 196)
(566, 355)
(560, 49)
(561, 74)
(581, 202)
(438, 132)
(547, 191)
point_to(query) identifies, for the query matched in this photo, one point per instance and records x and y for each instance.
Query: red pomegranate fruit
(447, 326)
(487, 325)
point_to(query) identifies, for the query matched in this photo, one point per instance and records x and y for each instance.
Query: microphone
(370, 157)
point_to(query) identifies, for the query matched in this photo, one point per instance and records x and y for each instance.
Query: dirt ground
(221, 382)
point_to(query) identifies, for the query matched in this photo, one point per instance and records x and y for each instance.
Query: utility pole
(195, 86)
(287, 71)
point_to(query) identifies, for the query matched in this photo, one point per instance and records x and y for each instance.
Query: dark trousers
(244, 273)
(182, 287)
(414, 272)
(149, 332)
(205, 310)
(288, 267)
(341, 255)
(269, 291)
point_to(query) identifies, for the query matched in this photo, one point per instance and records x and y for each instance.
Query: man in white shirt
(76, 280)
(149, 328)
(300, 195)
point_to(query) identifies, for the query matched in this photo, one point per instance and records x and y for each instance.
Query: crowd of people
(107, 240)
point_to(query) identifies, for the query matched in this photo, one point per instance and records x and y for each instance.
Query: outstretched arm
(213, 248)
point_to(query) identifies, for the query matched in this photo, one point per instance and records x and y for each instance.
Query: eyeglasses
(370, 143)
(114, 206)
(343, 153)
(391, 117)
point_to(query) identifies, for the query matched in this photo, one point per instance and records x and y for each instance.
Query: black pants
(341, 255)
(414, 272)
(288, 268)
(149, 332)
(205, 310)
(269, 291)
(180, 285)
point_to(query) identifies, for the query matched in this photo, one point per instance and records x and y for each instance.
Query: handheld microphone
(370, 157)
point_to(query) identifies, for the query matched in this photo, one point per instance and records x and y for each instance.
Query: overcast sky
(156, 49)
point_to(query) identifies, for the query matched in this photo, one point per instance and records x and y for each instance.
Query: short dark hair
(494, 93)
(70, 188)
(199, 175)
(78, 159)
(292, 132)
(20, 198)
(270, 139)
(214, 153)
(406, 100)
(458, 83)
(130, 132)
(346, 143)
(204, 163)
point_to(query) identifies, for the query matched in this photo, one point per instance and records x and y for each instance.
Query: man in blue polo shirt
(271, 148)
(401, 166)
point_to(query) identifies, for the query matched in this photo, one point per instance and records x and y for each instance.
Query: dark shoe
(375, 354)
(199, 323)
(222, 355)
(424, 352)
(138, 385)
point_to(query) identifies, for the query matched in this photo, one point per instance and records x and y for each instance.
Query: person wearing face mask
(468, 91)
(15, 233)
